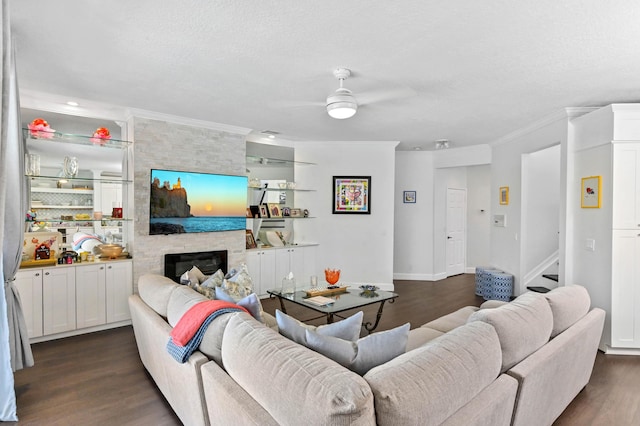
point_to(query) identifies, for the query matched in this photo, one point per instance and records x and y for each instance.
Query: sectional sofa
(519, 363)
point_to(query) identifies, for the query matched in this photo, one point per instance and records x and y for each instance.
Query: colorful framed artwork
(274, 210)
(352, 194)
(504, 195)
(590, 195)
(409, 197)
(251, 241)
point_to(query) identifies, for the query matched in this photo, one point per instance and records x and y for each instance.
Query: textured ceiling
(468, 71)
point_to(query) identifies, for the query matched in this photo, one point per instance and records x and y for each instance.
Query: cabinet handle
(46, 273)
(37, 274)
(109, 267)
(102, 267)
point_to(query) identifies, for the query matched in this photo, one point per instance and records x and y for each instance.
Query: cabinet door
(626, 184)
(310, 268)
(119, 283)
(625, 288)
(58, 299)
(296, 265)
(261, 266)
(29, 285)
(90, 295)
(283, 264)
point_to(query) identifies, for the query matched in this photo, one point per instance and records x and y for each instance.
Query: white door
(456, 230)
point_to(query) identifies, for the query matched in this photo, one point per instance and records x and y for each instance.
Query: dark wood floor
(98, 379)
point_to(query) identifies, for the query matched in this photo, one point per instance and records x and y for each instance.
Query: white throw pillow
(347, 329)
(251, 303)
(368, 352)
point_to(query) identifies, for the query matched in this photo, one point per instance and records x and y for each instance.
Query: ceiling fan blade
(296, 104)
(374, 96)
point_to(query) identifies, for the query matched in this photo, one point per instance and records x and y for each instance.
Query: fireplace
(176, 264)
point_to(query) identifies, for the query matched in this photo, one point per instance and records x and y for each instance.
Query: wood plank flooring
(98, 379)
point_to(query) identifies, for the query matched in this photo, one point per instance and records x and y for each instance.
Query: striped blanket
(176, 345)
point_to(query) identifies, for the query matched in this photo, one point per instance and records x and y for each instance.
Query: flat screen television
(183, 202)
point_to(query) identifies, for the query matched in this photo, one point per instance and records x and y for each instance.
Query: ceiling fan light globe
(341, 106)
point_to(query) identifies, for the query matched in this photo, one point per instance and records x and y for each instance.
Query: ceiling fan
(343, 104)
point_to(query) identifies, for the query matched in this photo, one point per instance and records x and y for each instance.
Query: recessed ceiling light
(417, 148)
(72, 103)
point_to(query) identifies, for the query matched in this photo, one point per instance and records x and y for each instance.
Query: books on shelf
(320, 300)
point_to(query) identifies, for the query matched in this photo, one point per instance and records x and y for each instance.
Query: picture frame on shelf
(286, 211)
(264, 211)
(296, 213)
(504, 195)
(274, 210)
(251, 241)
(255, 211)
(249, 213)
(409, 197)
(351, 194)
(590, 192)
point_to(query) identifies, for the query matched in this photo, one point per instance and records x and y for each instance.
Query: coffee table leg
(282, 308)
(368, 326)
(329, 318)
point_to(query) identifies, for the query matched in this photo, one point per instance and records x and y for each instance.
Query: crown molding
(563, 114)
(152, 115)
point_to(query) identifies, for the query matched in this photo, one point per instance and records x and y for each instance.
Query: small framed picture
(274, 210)
(296, 213)
(249, 214)
(251, 241)
(591, 187)
(264, 211)
(504, 195)
(409, 196)
(286, 211)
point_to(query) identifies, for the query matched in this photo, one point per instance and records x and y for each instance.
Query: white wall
(413, 228)
(541, 206)
(360, 245)
(506, 170)
(478, 216)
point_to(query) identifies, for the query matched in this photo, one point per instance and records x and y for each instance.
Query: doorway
(456, 246)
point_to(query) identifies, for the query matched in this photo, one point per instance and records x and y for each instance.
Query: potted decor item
(101, 136)
(332, 276)
(39, 128)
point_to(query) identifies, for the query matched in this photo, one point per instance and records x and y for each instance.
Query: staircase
(540, 289)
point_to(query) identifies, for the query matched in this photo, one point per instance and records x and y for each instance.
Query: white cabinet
(66, 300)
(58, 299)
(90, 295)
(262, 269)
(29, 285)
(625, 289)
(626, 184)
(119, 286)
(291, 259)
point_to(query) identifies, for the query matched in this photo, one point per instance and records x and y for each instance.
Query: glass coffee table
(353, 298)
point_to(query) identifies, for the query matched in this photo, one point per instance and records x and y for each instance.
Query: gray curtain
(15, 351)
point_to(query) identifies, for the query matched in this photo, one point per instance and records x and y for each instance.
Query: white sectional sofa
(521, 363)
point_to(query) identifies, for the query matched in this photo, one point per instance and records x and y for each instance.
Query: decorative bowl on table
(369, 290)
(332, 275)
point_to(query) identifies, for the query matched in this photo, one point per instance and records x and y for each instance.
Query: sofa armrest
(490, 304)
(550, 378)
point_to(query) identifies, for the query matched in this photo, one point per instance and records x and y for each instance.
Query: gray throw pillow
(364, 354)
(251, 303)
(292, 329)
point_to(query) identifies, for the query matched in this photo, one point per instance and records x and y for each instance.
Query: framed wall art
(251, 241)
(352, 194)
(590, 195)
(504, 195)
(409, 197)
(274, 210)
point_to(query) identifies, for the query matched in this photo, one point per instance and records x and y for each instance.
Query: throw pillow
(214, 280)
(366, 353)
(251, 303)
(196, 273)
(292, 329)
(237, 283)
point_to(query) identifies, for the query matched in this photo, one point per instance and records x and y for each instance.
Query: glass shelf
(39, 135)
(280, 189)
(58, 223)
(75, 179)
(274, 162)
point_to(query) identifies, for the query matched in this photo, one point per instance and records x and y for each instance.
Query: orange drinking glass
(332, 275)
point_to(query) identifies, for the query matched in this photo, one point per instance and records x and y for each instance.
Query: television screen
(182, 202)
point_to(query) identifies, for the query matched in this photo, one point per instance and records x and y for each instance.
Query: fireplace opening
(176, 264)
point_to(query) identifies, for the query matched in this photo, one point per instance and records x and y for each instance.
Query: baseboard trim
(621, 351)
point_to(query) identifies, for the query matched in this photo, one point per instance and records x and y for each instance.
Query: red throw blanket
(191, 321)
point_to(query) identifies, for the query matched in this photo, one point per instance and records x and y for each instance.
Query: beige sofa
(457, 370)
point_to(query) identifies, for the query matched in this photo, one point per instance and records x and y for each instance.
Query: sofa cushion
(429, 384)
(155, 290)
(347, 329)
(523, 326)
(364, 354)
(453, 320)
(180, 301)
(421, 336)
(568, 304)
(318, 391)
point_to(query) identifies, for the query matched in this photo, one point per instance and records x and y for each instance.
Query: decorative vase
(70, 167)
(332, 275)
